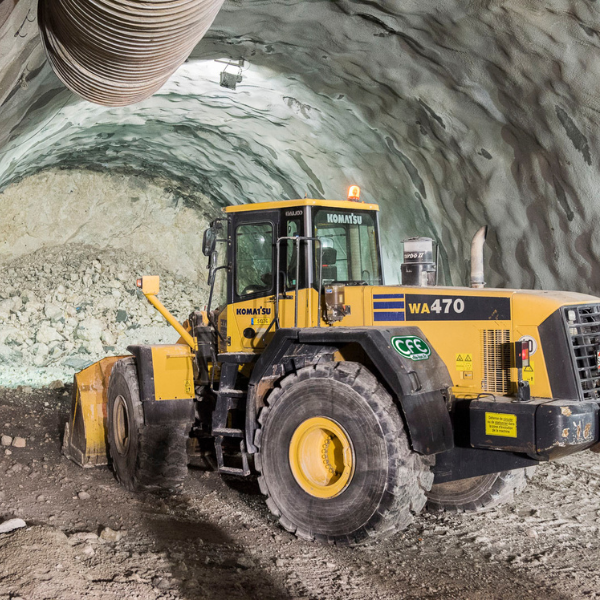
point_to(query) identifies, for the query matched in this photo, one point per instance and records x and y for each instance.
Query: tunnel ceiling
(450, 115)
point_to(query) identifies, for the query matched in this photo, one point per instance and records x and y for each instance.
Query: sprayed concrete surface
(88, 538)
(450, 114)
(145, 215)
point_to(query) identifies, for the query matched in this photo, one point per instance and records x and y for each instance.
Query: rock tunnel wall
(450, 115)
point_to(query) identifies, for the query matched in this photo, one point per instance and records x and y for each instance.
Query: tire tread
(161, 462)
(406, 496)
(503, 490)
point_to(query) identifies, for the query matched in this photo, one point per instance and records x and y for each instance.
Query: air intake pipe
(477, 280)
(420, 262)
(118, 52)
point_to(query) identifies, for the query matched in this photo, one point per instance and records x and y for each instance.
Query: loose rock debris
(11, 525)
(62, 309)
(217, 540)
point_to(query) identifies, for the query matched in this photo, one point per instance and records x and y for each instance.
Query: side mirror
(209, 241)
(329, 257)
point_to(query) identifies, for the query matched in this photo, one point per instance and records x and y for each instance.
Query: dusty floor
(217, 541)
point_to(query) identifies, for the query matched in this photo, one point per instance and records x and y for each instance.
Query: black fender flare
(421, 388)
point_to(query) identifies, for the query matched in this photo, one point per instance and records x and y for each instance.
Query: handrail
(297, 239)
(210, 297)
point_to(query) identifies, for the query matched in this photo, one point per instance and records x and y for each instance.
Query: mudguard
(166, 378)
(412, 371)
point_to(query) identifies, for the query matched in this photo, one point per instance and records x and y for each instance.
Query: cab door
(251, 305)
(293, 271)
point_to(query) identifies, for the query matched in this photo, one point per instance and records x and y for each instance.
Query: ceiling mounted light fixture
(230, 80)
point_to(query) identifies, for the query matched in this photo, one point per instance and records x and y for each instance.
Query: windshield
(350, 252)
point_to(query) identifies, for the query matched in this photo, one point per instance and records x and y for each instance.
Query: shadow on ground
(205, 561)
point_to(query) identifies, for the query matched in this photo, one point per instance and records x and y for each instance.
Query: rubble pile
(63, 308)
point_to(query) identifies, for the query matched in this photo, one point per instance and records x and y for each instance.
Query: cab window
(350, 252)
(254, 259)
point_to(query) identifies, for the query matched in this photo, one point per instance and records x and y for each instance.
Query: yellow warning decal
(464, 361)
(529, 373)
(501, 424)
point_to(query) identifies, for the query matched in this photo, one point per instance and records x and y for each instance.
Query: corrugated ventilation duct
(118, 52)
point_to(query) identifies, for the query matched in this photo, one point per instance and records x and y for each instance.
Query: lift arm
(150, 287)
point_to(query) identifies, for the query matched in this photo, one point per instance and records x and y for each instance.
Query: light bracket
(230, 80)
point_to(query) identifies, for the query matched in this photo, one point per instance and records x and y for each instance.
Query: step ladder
(228, 399)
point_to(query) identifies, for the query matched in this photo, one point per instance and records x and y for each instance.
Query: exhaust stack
(477, 280)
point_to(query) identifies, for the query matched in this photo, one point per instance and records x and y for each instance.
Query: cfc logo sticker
(411, 347)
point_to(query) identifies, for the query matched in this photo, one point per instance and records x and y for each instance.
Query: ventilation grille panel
(583, 323)
(496, 360)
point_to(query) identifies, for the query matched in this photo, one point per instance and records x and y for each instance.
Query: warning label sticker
(529, 373)
(464, 362)
(501, 425)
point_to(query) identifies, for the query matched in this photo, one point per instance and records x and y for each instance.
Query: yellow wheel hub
(321, 457)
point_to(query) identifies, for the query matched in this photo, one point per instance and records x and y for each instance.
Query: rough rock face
(450, 115)
(107, 210)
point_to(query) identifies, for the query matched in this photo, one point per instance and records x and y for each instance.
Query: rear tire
(144, 457)
(334, 457)
(478, 494)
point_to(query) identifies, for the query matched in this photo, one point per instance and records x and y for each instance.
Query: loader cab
(280, 255)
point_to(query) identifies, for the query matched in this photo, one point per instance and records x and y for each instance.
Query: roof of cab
(301, 202)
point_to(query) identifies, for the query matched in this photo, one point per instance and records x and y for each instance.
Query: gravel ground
(88, 538)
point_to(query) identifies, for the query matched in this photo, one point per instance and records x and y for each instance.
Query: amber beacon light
(354, 193)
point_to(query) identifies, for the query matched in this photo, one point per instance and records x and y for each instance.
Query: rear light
(521, 354)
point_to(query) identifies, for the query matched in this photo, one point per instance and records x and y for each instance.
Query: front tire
(478, 494)
(334, 457)
(144, 457)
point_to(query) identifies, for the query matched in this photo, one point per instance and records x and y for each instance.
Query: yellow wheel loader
(355, 402)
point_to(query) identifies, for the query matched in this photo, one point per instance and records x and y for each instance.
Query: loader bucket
(84, 440)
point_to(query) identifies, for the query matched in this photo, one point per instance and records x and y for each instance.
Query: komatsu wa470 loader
(356, 403)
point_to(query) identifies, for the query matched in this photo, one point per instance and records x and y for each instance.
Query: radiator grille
(496, 360)
(583, 324)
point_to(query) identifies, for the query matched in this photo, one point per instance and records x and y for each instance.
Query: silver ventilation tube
(477, 275)
(118, 52)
